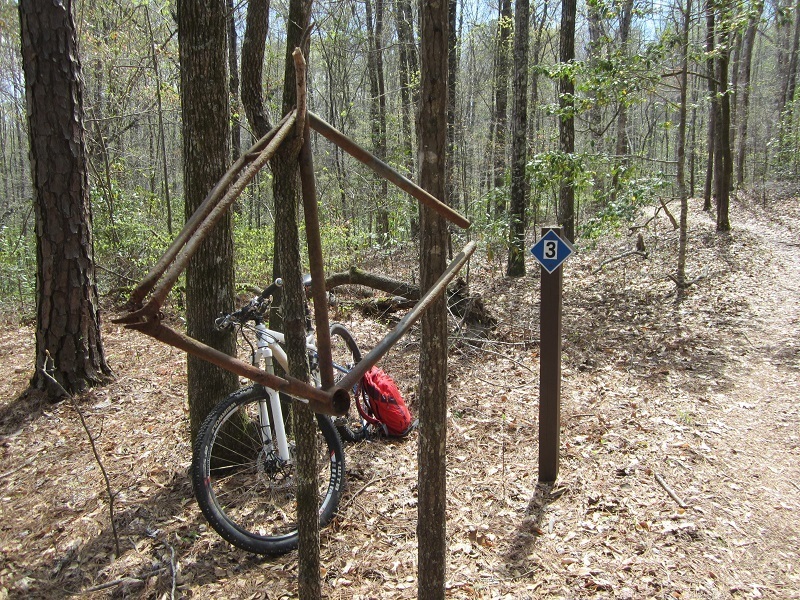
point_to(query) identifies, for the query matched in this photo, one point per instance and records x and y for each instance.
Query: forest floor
(702, 395)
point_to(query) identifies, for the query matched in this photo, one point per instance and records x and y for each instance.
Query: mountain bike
(243, 464)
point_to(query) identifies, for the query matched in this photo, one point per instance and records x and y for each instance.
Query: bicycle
(243, 459)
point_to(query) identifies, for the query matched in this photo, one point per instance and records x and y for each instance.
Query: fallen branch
(619, 257)
(116, 582)
(469, 309)
(669, 491)
(47, 373)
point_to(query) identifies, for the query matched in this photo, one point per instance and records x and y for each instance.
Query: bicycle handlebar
(252, 310)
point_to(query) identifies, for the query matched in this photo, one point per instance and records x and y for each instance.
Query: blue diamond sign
(551, 250)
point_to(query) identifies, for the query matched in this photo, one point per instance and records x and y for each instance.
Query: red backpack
(380, 403)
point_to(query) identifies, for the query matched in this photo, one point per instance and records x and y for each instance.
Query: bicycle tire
(247, 495)
(346, 354)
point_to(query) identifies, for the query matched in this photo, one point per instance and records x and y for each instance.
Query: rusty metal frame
(330, 399)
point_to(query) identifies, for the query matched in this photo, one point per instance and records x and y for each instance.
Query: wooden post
(550, 371)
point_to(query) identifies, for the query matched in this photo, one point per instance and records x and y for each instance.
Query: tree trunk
(519, 143)
(681, 151)
(67, 313)
(722, 147)
(255, 35)
(378, 111)
(621, 149)
(409, 66)
(566, 123)
(503, 63)
(713, 106)
(287, 247)
(431, 137)
(206, 135)
(233, 67)
(745, 62)
(452, 72)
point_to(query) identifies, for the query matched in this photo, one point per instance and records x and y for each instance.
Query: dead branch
(469, 308)
(669, 214)
(47, 373)
(619, 257)
(669, 491)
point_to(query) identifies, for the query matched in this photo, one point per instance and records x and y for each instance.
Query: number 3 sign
(550, 251)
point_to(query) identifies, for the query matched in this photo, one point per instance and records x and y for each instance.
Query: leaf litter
(701, 395)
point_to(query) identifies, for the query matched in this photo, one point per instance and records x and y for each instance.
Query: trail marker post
(550, 251)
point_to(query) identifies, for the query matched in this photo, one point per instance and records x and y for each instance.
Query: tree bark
(67, 313)
(287, 247)
(722, 147)
(431, 138)
(621, 149)
(519, 143)
(233, 67)
(255, 35)
(378, 111)
(505, 27)
(713, 106)
(206, 136)
(566, 123)
(681, 150)
(745, 62)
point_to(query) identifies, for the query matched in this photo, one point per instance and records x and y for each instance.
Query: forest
(658, 135)
(363, 79)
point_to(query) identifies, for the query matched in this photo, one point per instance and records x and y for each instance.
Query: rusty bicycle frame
(329, 399)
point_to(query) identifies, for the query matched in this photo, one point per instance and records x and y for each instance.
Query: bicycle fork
(280, 442)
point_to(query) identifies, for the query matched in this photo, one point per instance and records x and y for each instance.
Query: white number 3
(551, 250)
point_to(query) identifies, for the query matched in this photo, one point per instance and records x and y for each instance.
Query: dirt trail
(703, 394)
(763, 421)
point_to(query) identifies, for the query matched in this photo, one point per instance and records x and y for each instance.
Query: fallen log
(469, 308)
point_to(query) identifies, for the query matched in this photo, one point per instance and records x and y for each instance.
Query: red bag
(380, 403)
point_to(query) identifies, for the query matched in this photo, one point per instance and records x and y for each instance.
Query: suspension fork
(264, 341)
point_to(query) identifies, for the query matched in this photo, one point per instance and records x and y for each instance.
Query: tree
(621, 149)
(505, 27)
(519, 143)
(206, 136)
(287, 249)
(67, 314)
(713, 106)
(378, 109)
(680, 279)
(566, 123)
(431, 138)
(745, 62)
(722, 140)
(255, 36)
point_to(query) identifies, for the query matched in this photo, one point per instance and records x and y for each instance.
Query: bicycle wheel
(246, 492)
(345, 352)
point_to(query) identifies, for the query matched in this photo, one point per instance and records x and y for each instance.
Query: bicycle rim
(246, 492)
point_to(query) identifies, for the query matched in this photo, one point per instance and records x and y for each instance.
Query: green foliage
(622, 207)
(17, 267)
(130, 232)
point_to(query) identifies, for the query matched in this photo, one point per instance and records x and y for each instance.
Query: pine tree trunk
(206, 137)
(431, 137)
(67, 312)
(519, 143)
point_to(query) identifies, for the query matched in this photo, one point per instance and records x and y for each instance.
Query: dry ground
(702, 394)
